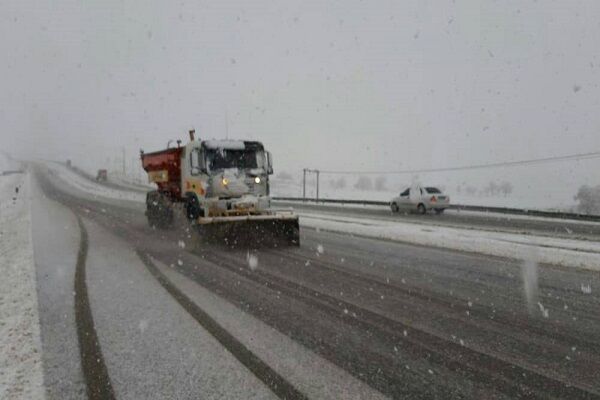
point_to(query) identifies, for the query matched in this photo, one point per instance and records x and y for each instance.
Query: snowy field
(21, 375)
(521, 199)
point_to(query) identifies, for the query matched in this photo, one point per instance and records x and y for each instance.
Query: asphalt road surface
(393, 319)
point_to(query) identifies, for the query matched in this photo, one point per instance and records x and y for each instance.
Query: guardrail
(501, 210)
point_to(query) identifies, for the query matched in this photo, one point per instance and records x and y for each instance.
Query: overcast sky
(336, 85)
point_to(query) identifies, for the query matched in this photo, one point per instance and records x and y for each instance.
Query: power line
(581, 156)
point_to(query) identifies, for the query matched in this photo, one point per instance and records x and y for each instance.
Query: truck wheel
(294, 235)
(192, 209)
(395, 208)
(159, 210)
(421, 209)
(439, 210)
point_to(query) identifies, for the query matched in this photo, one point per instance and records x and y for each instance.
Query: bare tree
(363, 183)
(505, 188)
(339, 183)
(380, 183)
(589, 199)
(492, 189)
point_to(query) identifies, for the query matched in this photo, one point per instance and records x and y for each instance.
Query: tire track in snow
(97, 381)
(278, 384)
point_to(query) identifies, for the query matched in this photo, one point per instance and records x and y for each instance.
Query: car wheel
(394, 207)
(439, 210)
(421, 209)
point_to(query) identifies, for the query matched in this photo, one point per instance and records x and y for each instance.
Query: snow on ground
(285, 188)
(565, 252)
(21, 374)
(79, 182)
(129, 182)
(497, 215)
(309, 372)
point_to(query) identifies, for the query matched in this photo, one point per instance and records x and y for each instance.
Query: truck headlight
(257, 179)
(225, 181)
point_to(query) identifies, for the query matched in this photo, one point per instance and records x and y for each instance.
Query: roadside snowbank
(79, 182)
(488, 214)
(21, 375)
(565, 252)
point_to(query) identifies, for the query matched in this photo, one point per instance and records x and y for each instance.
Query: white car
(421, 200)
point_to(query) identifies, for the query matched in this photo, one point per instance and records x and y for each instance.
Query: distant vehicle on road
(421, 200)
(102, 175)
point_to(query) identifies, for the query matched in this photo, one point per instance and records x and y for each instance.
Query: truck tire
(159, 210)
(439, 210)
(192, 208)
(421, 209)
(394, 207)
(293, 234)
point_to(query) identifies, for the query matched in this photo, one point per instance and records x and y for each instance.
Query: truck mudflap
(273, 228)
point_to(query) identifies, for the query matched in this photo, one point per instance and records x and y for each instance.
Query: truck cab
(225, 177)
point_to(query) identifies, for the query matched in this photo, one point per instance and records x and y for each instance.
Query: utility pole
(313, 171)
(317, 171)
(226, 123)
(124, 161)
(304, 184)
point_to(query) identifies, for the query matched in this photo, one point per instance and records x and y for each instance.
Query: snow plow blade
(250, 230)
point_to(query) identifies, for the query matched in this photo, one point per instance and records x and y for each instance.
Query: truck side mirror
(269, 163)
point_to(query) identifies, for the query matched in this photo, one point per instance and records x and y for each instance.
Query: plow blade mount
(250, 230)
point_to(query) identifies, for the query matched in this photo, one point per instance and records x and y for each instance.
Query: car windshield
(243, 159)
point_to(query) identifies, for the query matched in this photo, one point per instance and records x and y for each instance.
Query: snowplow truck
(222, 186)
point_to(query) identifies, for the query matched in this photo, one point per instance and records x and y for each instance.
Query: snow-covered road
(340, 316)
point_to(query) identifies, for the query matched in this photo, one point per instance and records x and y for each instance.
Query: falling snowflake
(252, 261)
(143, 325)
(543, 310)
(179, 262)
(320, 249)
(586, 289)
(181, 244)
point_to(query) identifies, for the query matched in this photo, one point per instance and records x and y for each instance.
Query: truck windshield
(242, 159)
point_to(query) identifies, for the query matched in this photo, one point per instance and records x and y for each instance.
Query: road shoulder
(21, 375)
